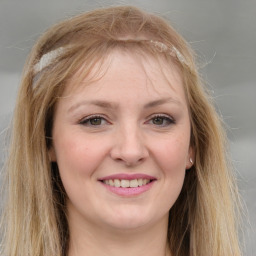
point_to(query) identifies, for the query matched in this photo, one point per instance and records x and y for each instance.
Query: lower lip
(128, 192)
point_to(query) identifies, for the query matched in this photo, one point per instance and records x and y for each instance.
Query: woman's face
(122, 144)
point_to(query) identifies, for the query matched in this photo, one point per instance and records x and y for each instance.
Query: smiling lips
(128, 185)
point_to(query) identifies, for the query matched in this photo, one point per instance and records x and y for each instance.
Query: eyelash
(167, 120)
(86, 121)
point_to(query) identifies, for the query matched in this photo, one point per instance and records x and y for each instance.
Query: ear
(190, 158)
(52, 154)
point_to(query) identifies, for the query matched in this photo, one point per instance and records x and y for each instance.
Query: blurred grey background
(223, 34)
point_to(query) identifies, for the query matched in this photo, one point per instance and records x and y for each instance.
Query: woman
(116, 147)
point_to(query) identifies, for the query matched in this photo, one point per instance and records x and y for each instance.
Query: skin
(133, 119)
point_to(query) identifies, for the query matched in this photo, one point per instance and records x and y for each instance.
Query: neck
(91, 240)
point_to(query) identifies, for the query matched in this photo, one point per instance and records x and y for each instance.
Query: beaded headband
(48, 58)
(173, 51)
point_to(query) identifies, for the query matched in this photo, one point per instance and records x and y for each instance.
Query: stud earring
(190, 160)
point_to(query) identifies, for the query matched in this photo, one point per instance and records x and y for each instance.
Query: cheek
(77, 155)
(170, 157)
(172, 160)
(172, 154)
(78, 158)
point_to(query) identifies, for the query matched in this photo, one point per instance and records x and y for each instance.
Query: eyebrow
(99, 103)
(111, 105)
(161, 102)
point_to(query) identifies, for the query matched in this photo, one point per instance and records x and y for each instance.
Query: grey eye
(95, 121)
(158, 120)
(162, 121)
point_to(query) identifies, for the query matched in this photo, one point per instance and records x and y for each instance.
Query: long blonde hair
(203, 219)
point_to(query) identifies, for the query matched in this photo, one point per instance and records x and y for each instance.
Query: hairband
(173, 51)
(49, 57)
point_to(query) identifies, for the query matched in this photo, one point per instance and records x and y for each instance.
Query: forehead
(125, 71)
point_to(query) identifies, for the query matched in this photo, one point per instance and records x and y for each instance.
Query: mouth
(124, 183)
(128, 184)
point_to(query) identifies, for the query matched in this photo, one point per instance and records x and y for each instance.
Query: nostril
(130, 150)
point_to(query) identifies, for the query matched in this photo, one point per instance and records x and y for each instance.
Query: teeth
(134, 183)
(126, 183)
(117, 183)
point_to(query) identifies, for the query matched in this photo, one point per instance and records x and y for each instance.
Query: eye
(161, 120)
(93, 121)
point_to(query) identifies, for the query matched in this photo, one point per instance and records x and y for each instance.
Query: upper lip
(124, 176)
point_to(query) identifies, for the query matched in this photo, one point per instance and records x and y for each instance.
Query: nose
(129, 146)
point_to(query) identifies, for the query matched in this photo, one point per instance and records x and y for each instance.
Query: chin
(128, 224)
(129, 219)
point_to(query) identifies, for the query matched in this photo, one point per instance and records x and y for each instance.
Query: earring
(190, 160)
